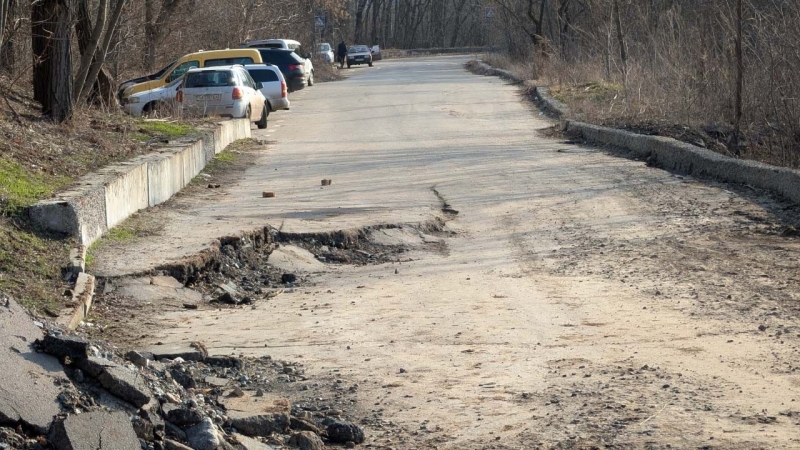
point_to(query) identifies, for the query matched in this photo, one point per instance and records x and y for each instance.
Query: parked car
(376, 53)
(223, 91)
(177, 68)
(286, 44)
(325, 51)
(359, 54)
(297, 73)
(273, 84)
(146, 102)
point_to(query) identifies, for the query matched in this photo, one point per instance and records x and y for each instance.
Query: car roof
(215, 68)
(261, 66)
(272, 49)
(225, 52)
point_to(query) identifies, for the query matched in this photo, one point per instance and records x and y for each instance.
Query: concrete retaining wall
(685, 158)
(102, 200)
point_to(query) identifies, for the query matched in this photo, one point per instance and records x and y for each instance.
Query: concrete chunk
(177, 351)
(64, 346)
(98, 430)
(259, 424)
(28, 393)
(125, 384)
(94, 366)
(250, 443)
(203, 436)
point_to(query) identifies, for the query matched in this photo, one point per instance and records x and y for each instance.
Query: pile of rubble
(66, 392)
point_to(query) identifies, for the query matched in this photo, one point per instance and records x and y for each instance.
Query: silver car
(149, 102)
(223, 91)
(325, 51)
(273, 84)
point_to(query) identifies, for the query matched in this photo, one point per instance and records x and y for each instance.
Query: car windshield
(358, 49)
(210, 78)
(324, 47)
(161, 72)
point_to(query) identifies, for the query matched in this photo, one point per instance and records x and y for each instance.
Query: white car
(147, 102)
(325, 51)
(273, 84)
(223, 91)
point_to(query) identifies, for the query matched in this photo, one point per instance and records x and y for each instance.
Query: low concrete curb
(685, 158)
(549, 105)
(82, 296)
(102, 200)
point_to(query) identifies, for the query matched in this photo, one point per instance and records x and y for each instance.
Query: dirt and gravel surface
(571, 299)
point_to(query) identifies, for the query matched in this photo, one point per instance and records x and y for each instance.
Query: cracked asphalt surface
(583, 300)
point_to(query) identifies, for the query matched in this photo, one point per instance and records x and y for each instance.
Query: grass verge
(149, 129)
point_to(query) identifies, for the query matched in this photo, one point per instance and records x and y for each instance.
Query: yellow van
(176, 69)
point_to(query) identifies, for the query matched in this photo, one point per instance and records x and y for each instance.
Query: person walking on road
(341, 54)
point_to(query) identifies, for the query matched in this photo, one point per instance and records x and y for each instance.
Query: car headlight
(134, 100)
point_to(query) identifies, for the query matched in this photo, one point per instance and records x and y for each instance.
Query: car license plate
(208, 97)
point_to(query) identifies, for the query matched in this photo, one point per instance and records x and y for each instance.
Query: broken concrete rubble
(98, 430)
(115, 404)
(125, 384)
(260, 424)
(344, 432)
(306, 440)
(203, 436)
(62, 346)
(187, 353)
(30, 381)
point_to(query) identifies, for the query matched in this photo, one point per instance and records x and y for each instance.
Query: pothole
(244, 271)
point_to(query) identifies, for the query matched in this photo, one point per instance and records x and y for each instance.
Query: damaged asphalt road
(576, 300)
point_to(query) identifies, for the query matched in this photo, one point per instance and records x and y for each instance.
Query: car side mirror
(259, 85)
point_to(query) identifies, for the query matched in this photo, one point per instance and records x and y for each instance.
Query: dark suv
(290, 64)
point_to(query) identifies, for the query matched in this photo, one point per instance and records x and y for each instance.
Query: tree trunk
(97, 64)
(60, 82)
(40, 31)
(150, 33)
(88, 42)
(102, 91)
(739, 78)
(359, 29)
(7, 54)
(623, 51)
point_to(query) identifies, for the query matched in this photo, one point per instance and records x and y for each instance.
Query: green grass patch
(226, 157)
(120, 234)
(20, 188)
(168, 130)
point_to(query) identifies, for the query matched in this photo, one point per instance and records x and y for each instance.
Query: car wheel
(149, 109)
(311, 78)
(262, 123)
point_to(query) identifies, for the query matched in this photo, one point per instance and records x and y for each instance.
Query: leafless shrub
(673, 63)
